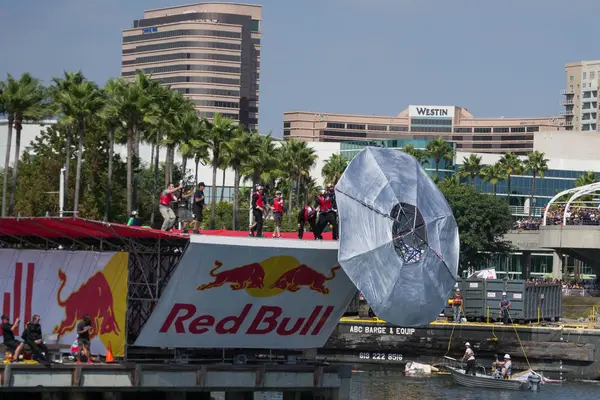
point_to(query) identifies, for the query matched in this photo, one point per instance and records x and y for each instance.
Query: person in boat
(457, 304)
(506, 366)
(470, 357)
(132, 219)
(504, 308)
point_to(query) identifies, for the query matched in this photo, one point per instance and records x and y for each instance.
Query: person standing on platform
(83, 338)
(307, 215)
(258, 209)
(198, 208)
(457, 302)
(470, 357)
(278, 210)
(327, 214)
(331, 194)
(504, 308)
(166, 198)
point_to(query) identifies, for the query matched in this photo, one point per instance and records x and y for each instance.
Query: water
(391, 385)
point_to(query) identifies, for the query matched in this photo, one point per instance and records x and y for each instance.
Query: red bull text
(265, 320)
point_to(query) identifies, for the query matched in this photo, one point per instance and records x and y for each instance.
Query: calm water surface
(390, 385)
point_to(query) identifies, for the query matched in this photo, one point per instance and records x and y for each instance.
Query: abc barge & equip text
(557, 351)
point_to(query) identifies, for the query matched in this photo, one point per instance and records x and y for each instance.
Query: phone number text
(380, 356)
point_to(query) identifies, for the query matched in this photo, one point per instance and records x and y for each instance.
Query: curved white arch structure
(578, 192)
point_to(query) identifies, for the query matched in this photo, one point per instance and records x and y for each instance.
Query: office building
(456, 124)
(208, 51)
(581, 96)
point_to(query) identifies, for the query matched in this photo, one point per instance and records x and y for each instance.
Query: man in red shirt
(166, 198)
(307, 215)
(278, 208)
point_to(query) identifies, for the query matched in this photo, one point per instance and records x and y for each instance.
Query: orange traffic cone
(109, 354)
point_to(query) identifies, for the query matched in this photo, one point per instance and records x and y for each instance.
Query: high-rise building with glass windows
(581, 96)
(208, 51)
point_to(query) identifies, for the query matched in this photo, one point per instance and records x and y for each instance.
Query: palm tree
(537, 164)
(111, 119)
(334, 168)
(297, 158)
(23, 100)
(493, 173)
(512, 165)
(587, 178)
(471, 167)
(220, 130)
(81, 102)
(238, 151)
(419, 154)
(133, 104)
(63, 85)
(439, 149)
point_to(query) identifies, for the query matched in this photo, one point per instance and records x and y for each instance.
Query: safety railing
(524, 211)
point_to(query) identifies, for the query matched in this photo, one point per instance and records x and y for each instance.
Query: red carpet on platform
(285, 235)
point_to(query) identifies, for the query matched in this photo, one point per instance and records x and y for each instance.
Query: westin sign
(431, 111)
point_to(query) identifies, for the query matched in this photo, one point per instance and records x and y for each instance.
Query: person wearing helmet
(457, 304)
(258, 209)
(331, 192)
(504, 308)
(470, 357)
(506, 366)
(325, 203)
(307, 215)
(278, 209)
(132, 219)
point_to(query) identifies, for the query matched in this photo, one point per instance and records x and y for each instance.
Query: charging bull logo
(270, 277)
(103, 298)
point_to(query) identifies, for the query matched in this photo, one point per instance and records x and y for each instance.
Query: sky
(371, 57)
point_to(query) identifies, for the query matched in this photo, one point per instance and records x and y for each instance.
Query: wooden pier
(171, 381)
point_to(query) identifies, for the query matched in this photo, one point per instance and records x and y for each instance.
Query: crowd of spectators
(588, 287)
(575, 216)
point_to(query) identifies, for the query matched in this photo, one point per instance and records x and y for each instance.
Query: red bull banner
(231, 292)
(63, 286)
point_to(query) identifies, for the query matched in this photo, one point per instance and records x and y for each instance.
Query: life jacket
(277, 205)
(260, 200)
(166, 199)
(457, 299)
(324, 203)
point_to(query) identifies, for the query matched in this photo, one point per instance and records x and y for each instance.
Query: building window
(501, 130)
(200, 79)
(571, 77)
(398, 128)
(584, 75)
(182, 32)
(430, 129)
(520, 138)
(592, 75)
(346, 134)
(482, 130)
(287, 124)
(255, 26)
(356, 126)
(336, 125)
(216, 92)
(208, 114)
(457, 138)
(377, 127)
(463, 130)
(519, 130)
(425, 121)
(286, 132)
(185, 44)
(533, 129)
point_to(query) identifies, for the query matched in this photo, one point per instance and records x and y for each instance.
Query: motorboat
(486, 381)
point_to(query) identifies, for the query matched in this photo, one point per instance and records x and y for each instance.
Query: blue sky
(496, 58)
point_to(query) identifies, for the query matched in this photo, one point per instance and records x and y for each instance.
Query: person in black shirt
(83, 338)
(10, 342)
(198, 207)
(32, 336)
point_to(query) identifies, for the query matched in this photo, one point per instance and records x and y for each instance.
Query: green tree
(24, 100)
(511, 165)
(493, 174)
(537, 164)
(297, 159)
(81, 103)
(439, 149)
(419, 154)
(587, 178)
(471, 167)
(334, 168)
(220, 131)
(482, 222)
